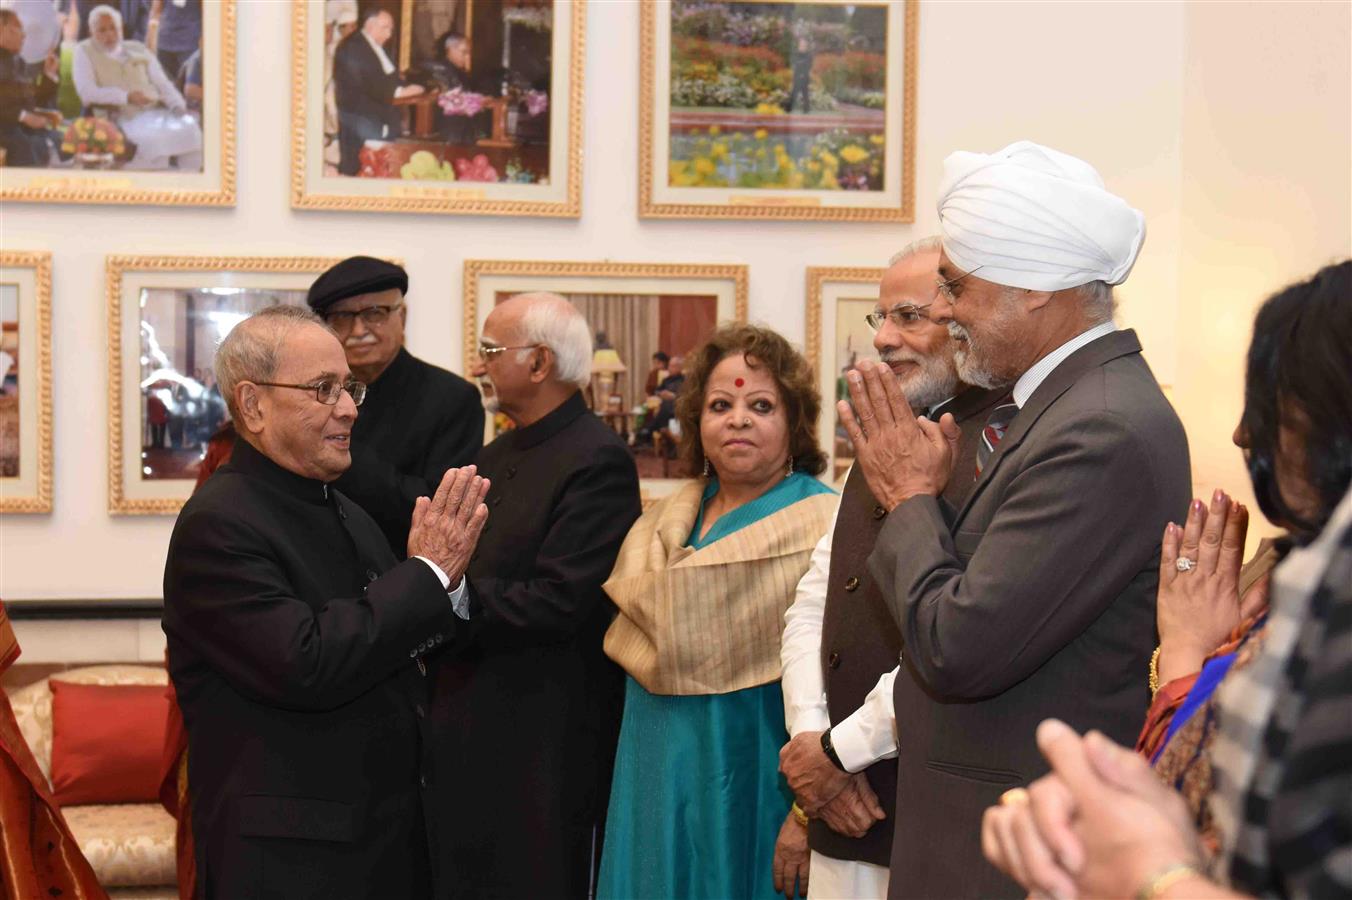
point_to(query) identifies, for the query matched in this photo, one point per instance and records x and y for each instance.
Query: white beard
(933, 382)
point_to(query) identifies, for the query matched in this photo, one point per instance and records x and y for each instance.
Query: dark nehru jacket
(526, 717)
(294, 648)
(860, 641)
(417, 421)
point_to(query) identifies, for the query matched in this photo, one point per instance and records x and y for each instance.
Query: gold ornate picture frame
(837, 336)
(812, 117)
(166, 314)
(25, 382)
(156, 155)
(635, 310)
(501, 135)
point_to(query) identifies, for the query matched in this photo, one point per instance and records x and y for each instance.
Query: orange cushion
(107, 741)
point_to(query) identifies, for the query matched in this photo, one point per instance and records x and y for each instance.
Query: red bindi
(739, 382)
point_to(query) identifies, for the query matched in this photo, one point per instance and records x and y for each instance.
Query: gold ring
(1014, 797)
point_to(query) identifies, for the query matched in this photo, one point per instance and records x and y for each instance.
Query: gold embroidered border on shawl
(708, 621)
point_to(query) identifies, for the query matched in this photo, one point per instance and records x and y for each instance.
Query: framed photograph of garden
(166, 316)
(838, 336)
(107, 104)
(438, 106)
(644, 319)
(751, 109)
(25, 382)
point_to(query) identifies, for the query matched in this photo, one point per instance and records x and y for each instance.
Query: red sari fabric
(38, 855)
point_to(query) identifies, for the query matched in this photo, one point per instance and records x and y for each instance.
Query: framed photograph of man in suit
(785, 110)
(25, 382)
(438, 106)
(838, 336)
(109, 103)
(644, 319)
(166, 315)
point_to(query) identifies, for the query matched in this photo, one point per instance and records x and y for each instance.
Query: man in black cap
(418, 420)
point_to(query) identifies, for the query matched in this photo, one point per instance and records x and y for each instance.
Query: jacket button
(422, 780)
(833, 660)
(371, 575)
(511, 471)
(413, 654)
(879, 512)
(851, 583)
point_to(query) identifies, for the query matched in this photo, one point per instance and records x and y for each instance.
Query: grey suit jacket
(1036, 598)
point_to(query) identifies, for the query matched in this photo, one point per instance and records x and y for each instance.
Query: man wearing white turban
(1035, 597)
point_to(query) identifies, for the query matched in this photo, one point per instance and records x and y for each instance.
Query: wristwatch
(831, 751)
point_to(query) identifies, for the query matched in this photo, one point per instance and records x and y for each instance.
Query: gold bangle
(1154, 674)
(798, 814)
(1166, 879)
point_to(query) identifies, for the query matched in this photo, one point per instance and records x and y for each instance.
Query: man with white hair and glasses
(526, 708)
(1035, 597)
(840, 644)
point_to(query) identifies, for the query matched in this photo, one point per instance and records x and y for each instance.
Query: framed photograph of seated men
(438, 106)
(109, 105)
(838, 336)
(778, 110)
(25, 382)
(644, 320)
(166, 315)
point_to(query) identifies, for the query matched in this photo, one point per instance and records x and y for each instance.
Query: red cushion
(106, 742)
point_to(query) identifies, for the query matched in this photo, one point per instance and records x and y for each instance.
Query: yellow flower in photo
(813, 166)
(769, 109)
(829, 181)
(830, 160)
(715, 131)
(719, 150)
(876, 139)
(853, 153)
(761, 134)
(760, 153)
(704, 166)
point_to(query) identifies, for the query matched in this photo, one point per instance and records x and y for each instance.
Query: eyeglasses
(372, 316)
(326, 391)
(946, 287)
(906, 316)
(487, 353)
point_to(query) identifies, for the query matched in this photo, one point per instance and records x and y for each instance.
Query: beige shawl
(708, 621)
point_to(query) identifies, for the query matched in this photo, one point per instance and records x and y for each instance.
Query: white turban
(1031, 217)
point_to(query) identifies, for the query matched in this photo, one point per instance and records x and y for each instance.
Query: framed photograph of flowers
(114, 106)
(438, 106)
(166, 315)
(25, 382)
(783, 110)
(644, 319)
(838, 336)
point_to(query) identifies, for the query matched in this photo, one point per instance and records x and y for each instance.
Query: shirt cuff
(459, 596)
(852, 743)
(811, 719)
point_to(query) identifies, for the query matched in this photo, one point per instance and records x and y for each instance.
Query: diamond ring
(1184, 564)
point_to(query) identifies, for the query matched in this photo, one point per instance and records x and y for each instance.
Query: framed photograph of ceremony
(25, 382)
(644, 319)
(105, 103)
(166, 316)
(778, 110)
(469, 107)
(838, 336)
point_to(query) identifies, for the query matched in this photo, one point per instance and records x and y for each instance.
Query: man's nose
(885, 338)
(346, 407)
(940, 311)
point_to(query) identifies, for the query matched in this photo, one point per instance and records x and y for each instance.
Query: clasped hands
(845, 802)
(901, 456)
(446, 527)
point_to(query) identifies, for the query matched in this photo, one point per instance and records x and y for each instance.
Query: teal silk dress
(697, 799)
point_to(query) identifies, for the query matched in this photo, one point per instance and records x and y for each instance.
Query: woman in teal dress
(698, 808)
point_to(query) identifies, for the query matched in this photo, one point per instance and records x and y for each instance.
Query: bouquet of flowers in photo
(536, 102)
(90, 134)
(460, 102)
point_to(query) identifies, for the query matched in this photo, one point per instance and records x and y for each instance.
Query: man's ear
(1035, 300)
(247, 401)
(541, 364)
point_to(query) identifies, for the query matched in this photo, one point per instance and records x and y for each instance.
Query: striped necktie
(996, 423)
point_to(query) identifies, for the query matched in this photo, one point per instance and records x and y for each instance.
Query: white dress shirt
(1038, 372)
(869, 733)
(459, 596)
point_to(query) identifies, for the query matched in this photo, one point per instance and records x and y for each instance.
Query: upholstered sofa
(130, 845)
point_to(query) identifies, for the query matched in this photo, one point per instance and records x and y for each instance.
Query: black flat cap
(355, 275)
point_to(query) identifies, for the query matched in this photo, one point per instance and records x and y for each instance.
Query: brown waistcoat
(860, 640)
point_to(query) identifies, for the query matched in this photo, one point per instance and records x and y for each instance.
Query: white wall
(1128, 86)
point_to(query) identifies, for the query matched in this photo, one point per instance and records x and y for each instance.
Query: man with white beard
(1036, 597)
(840, 644)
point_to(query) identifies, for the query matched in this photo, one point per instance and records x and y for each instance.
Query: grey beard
(970, 367)
(934, 383)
